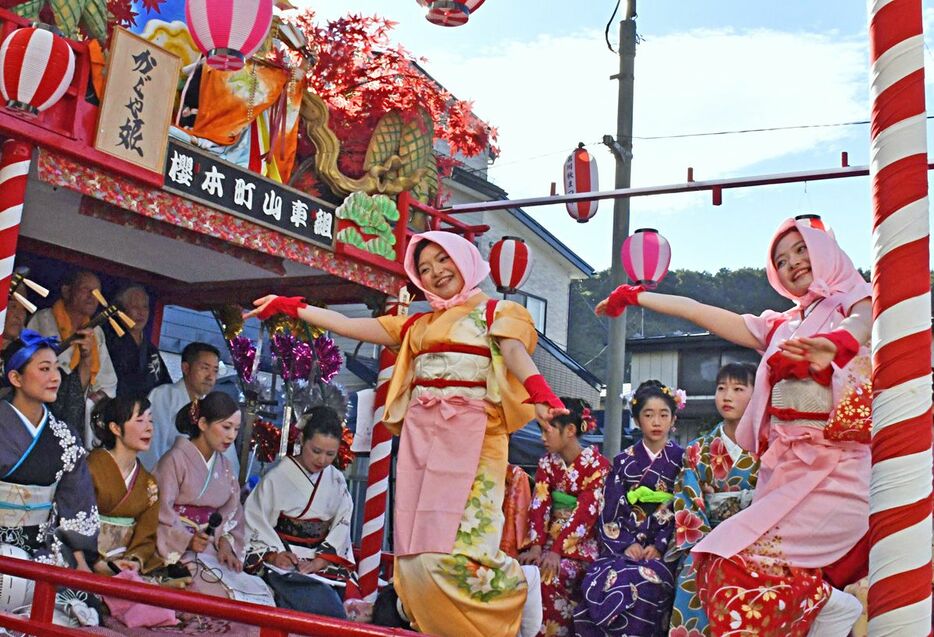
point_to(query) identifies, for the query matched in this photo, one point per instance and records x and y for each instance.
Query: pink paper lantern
(510, 264)
(228, 31)
(646, 256)
(36, 68)
(580, 175)
(450, 13)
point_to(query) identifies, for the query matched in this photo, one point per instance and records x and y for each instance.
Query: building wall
(658, 365)
(563, 381)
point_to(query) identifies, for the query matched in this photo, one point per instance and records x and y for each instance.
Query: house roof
(568, 361)
(475, 182)
(643, 343)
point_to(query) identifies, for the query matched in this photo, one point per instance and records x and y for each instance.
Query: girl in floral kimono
(463, 380)
(47, 506)
(127, 494)
(563, 514)
(628, 590)
(200, 517)
(762, 571)
(298, 519)
(717, 481)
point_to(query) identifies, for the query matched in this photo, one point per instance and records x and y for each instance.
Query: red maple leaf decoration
(152, 5)
(122, 13)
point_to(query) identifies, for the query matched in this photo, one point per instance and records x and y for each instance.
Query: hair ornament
(589, 422)
(678, 395)
(194, 412)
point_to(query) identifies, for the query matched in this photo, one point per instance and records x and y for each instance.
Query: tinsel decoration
(315, 394)
(328, 358)
(295, 357)
(266, 437)
(243, 353)
(231, 319)
(282, 324)
(344, 455)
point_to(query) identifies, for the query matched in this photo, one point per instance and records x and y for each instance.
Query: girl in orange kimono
(463, 380)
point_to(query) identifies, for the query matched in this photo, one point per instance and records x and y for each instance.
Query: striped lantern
(36, 68)
(510, 264)
(646, 255)
(580, 175)
(815, 221)
(228, 31)
(450, 13)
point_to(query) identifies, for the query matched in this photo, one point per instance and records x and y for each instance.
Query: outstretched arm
(361, 329)
(521, 365)
(724, 323)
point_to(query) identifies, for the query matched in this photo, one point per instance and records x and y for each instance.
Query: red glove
(847, 346)
(540, 392)
(622, 297)
(288, 305)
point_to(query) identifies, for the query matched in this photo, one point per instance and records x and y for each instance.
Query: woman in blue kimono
(717, 481)
(628, 590)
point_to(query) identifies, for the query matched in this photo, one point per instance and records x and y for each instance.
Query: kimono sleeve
(106, 379)
(514, 321)
(173, 536)
(337, 542)
(762, 326)
(142, 547)
(615, 536)
(76, 504)
(540, 507)
(689, 509)
(586, 513)
(260, 513)
(393, 325)
(234, 527)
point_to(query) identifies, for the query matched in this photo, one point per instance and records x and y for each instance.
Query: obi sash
(114, 536)
(25, 504)
(303, 536)
(194, 516)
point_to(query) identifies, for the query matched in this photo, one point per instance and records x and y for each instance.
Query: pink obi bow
(449, 406)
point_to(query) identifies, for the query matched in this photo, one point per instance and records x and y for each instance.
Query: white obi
(802, 396)
(25, 504)
(455, 367)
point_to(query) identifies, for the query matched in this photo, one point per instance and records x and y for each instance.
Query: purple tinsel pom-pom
(329, 358)
(243, 353)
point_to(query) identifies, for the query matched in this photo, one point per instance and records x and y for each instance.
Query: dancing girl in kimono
(200, 516)
(627, 592)
(564, 513)
(298, 520)
(127, 494)
(762, 571)
(717, 481)
(463, 380)
(47, 507)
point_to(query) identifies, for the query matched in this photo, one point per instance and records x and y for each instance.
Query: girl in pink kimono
(761, 571)
(462, 381)
(200, 517)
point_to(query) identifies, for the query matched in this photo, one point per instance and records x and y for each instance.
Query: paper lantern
(580, 175)
(814, 221)
(228, 31)
(450, 13)
(646, 255)
(36, 68)
(510, 264)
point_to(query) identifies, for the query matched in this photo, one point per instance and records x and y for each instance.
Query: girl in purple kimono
(628, 591)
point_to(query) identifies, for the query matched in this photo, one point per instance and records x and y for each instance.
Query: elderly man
(136, 360)
(200, 366)
(73, 311)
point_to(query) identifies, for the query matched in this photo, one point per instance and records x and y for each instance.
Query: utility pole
(616, 347)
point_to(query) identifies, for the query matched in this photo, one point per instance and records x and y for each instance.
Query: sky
(538, 70)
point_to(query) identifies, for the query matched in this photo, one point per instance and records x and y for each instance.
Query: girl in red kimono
(563, 515)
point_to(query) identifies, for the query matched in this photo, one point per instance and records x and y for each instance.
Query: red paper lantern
(228, 31)
(510, 264)
(580, 175)
(814, 221)
(450, 13)
(646, 256)
(36, 68)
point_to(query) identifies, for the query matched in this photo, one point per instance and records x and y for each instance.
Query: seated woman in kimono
(127, 494)
(628, 590)
(717, 481)
(200, 517)
(298, 519)
(564, 514)
(47, 507)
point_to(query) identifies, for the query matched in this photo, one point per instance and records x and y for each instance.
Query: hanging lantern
(510, 264)
(814, 221)
(450, 13)
(36, 68)
(228, 31)
(580, 175)
(646, 255)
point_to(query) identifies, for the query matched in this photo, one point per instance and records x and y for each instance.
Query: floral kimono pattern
(717, 480)
(563, 517)
(622, 596)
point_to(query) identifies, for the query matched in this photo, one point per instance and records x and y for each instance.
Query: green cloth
(118, 521)
(561, 500)
(649, 496)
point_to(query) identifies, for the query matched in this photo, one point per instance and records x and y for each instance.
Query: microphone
(213, 522)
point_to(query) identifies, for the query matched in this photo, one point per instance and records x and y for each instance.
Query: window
(537, 307)
(697, 368)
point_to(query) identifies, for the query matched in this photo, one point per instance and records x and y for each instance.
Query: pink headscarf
(835, 280)
(466, 257)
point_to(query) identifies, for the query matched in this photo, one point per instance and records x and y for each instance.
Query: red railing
(272, 622)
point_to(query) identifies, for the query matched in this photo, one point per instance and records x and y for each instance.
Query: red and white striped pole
(377, 483)
(15, 158)
(900, 490)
